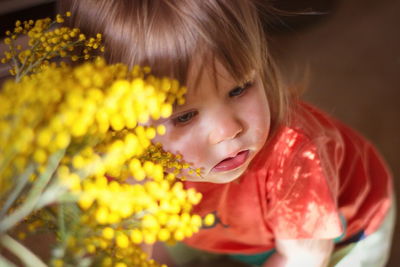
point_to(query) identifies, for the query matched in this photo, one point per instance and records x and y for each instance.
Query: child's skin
(220, 119)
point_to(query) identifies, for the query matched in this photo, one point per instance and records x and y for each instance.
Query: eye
(239, 90)
(184, 118)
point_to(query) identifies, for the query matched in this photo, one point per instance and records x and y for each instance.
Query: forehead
(208, 71)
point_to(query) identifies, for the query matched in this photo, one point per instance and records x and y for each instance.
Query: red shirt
(308, 174)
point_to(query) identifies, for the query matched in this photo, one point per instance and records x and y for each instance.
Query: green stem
(21, 68)
(61, 222)
(34, 195)
(55, 193)
(22, 181)
(7, 159)
(6, 263)
(15, 61)
(33, 47)
(24, 254)
(39, 61)
(30, 67)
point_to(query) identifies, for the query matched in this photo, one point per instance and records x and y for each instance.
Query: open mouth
(233, 162)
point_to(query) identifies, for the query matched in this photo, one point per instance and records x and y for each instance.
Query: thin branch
(24, 254)
(21, 182)
(61, 221)
(33, 197)
(6, 263)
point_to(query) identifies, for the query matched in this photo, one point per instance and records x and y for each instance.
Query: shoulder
(314, 123)
(313, 130)
(307, 128)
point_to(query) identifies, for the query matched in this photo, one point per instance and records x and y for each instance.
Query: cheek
(182, 142)
(258, 116)
(262, 117)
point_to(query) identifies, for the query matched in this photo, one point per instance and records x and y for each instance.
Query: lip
(232, 163)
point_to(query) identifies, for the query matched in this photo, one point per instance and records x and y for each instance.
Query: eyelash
(188, 116)
(240, 90)
(184, 119)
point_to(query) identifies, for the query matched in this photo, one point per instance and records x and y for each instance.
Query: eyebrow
(248, 78)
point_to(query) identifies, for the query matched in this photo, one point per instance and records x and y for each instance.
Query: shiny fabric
(311, 172)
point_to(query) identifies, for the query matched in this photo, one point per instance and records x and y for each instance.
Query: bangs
(170, 36)
(167, 35)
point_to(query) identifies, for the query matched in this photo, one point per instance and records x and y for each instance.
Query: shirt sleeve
(302, 188)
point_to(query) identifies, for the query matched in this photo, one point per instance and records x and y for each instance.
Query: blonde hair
(167, 34)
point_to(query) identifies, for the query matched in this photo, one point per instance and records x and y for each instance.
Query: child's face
(222, 125)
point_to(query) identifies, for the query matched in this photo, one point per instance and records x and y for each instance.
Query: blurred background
(349, 62)
(344, 53)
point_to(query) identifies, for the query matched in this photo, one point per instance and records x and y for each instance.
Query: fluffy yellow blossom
(209, 219)
(80, 139)
(108, 233)
(122, 240)
(45, 43)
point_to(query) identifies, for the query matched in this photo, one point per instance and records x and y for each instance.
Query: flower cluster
(171, 162)
(77, 154)
(45, 43)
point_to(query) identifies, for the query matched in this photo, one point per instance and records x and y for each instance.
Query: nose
(224, 127)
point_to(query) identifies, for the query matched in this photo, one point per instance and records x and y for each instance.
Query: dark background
(344, 53)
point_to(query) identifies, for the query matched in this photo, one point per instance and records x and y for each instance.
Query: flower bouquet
(76, 153)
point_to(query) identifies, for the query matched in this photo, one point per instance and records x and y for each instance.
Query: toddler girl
(289, 185)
